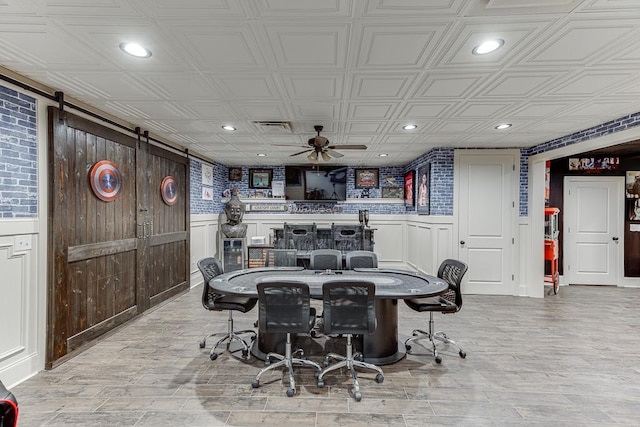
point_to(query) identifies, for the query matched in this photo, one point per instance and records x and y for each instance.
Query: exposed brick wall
(18, 155)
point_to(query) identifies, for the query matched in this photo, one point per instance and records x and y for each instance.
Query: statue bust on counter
(234, 209)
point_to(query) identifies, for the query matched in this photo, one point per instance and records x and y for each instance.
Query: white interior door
(592, 230)
(487, 182)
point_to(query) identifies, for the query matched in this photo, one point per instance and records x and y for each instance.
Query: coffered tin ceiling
(360, 68)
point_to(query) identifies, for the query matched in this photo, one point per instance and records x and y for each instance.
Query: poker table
(381, 346)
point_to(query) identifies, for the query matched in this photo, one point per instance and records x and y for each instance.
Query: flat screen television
(315, 183)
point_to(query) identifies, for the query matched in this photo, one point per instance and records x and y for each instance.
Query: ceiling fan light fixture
(313, 156)
(134, 49)
(488, 47)
(325, 156)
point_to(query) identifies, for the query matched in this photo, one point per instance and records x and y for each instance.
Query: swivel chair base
(288, 360)
(230, 336)
(419, 334)
(350, 361)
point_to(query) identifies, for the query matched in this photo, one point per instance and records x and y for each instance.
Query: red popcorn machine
(551, 232)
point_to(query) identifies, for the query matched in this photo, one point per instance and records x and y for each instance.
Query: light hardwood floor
(568, 359)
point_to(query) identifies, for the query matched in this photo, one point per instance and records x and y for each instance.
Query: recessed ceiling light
(261, 155)
(383, 155)
(229, 127)
(134, 49)
(487, 47)
(503, 126)
(409, 127)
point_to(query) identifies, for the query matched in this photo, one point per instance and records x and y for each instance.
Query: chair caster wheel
(290, 392)
(245, 354)
(379, 378)
(202, 344)
(213, 356)
(359, 357)
(313, 334)
(267, 362)
(463, 354)
(320, 383)
(325, 363)
(255, 383)
(253, 337)
(407, 347)
(438, 359)
(357, 396)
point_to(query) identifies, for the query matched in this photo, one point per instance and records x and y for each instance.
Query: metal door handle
(615, 239)
(462, 242)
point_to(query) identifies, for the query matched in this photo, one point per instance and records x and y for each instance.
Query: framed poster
(235, 174)
(424, 173)
(366, 178)
(392, 192)
(260, 178)
(207, 175)
(409, 187)
(632, 184)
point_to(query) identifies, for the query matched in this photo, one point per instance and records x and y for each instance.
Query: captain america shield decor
(106, 180)
(169, 190)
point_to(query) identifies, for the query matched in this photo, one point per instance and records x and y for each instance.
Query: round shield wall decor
(106, 180)
(169, 190)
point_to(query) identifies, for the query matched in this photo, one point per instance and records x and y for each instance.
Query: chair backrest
(281, 258)
(452, 271)
(283, 306)
(347, 237)
(210, 268)
(348, 307)
(302, 237)
(361, 259)
(325, 259)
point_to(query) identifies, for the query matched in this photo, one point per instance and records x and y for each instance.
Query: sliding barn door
(104, 195)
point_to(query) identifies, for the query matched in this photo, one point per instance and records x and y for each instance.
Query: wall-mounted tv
(316, 183)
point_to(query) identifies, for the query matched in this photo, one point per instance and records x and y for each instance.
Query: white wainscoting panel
(21, 351)
(204, 229)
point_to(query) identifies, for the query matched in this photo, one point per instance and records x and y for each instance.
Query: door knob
(462, 242)
(615, 239)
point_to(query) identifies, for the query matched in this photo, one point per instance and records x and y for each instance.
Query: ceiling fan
(320, 148)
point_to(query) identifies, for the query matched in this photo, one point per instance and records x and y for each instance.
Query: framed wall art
(235, 174)
(392, 192)
(366, 178)
(424, 174)
(409, 187)
(260, 178)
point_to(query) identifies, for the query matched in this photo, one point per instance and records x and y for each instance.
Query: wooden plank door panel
(107, 261)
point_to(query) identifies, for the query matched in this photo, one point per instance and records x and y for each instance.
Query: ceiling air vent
(274, 127)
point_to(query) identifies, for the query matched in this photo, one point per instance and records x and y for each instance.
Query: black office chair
(361, 259)
(210, 268)
(325, 259)
(281, 258)
(452, 271)
(284, 306)
(8, 408)
(349, 309)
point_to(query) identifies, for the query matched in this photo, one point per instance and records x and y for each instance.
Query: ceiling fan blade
(288, 145)
(334, 153)
(348, 147)
(304, 151)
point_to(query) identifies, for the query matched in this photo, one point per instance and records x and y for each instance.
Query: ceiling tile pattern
(360, 68)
